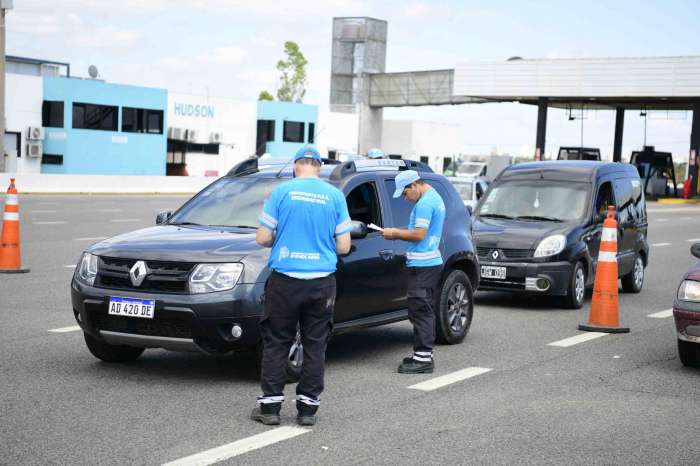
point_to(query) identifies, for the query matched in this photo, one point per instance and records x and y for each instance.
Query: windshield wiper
(235, 226)
(496, 216)
(187, 223)
(538, 217)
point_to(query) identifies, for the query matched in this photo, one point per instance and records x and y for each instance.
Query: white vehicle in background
(469, 189)
(471, 169)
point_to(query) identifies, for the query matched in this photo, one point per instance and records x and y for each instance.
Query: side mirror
(358, 230)
(695, 250)
(163, 217)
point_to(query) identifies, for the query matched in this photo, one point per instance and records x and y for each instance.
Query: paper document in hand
(375, 227)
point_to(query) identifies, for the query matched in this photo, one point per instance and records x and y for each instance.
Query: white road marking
(91, 238)
(43, 211)
(662, 220)
(239, 447)
(55, 222)
(687, 218)
(662, 314)
(661, 244)
(74, 328)
(109, 210)
(70, 266)
(693, 240)
(583, 337)
(448, 379)
(123, 220)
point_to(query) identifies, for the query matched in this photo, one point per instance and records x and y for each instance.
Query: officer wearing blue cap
(424, 263)
(375, 153)
(306, 223)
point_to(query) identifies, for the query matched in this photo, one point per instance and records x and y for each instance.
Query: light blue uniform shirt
(428, 213)
(307, 213)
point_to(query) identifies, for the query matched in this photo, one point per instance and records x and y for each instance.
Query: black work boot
(411, 366)
(267, 413)
(306, 415)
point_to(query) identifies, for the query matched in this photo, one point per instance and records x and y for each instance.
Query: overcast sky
(230, 47)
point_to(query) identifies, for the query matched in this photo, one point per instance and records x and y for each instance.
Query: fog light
(236, 331)
(536, 284)
(543, 284)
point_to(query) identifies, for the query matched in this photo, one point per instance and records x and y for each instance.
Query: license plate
(488, 271)
(131, 307)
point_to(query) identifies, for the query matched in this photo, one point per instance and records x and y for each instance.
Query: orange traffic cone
(9, 241)
(604, 316)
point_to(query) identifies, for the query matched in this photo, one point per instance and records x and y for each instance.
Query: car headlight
(689, 291)
(550, 246)
(87, 269)
(207, 278)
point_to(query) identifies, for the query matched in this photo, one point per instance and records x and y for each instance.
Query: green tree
(264, 95)
(293, 79)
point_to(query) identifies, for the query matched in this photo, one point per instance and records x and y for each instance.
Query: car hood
(513, 234)
(180, 243)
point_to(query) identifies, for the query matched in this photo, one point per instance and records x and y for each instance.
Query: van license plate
(498, 273)
(131, 307)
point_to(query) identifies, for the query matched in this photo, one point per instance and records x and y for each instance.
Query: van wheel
(688, 353)
(633, 281)
(111, 353)
(576, 293)
(455, 308)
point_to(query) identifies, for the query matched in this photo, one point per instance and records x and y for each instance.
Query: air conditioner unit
(215, 138)
(34, 149)
(191, 135)
(178, 134)
(35, 133)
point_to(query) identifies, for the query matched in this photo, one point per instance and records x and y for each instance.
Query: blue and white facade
(285, 127)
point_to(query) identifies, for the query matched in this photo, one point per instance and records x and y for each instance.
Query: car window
(363, 204)
(536, 200)
(464, 190)
(228, 202)
(400, 208)
(604, 198)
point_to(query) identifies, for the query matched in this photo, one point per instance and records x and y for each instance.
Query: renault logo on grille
(494, 254)
(138, 273)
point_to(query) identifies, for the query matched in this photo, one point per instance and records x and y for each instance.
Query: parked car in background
(469, 189)
(539, 226)
(686, 313)
(578, 153)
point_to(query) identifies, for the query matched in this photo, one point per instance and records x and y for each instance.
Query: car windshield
(536, 200)
(472, 169)
(464, 190)
(229, 202)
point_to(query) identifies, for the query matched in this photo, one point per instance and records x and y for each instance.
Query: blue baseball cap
(375, 153)
(308, 152)
(404, 179)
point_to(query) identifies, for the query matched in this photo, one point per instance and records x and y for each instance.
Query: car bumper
(180, 322)
(546, 278)
(687, 318)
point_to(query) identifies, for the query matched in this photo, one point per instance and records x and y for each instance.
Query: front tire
(576, 293)
(688, 353)
(633, 281)
(111, 353)
(455, 308)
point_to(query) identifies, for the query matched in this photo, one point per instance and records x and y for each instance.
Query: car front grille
(505, 253)
(152, 327)
(163, 277)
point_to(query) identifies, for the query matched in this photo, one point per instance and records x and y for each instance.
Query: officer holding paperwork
(424, 263)
(306, 223)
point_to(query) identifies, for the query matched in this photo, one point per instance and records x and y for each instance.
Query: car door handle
(386, 254)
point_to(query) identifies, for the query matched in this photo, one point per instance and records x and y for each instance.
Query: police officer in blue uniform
(424, 263)
(306, 223)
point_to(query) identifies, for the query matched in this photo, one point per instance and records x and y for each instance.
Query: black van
(538, 228)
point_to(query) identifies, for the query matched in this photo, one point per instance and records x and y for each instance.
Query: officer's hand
(389, 233)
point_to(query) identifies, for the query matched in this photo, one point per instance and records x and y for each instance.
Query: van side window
(400, 208)
(604, 198)
(363, 204)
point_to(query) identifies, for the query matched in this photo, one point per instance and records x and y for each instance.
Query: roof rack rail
(254, 164)
(356, 166)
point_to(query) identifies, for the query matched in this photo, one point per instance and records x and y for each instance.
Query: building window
(52, 114)
(185, 147)
(293, 131)
(91, 116)
(141, 120)
(424, 159)
(265, 134)
(312, 133)
(51, 159)
(395, 156)
(332, 154)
